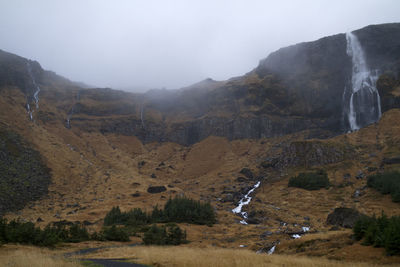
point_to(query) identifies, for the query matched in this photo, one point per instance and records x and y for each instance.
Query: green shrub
(115, 233)
(179, 209)
(379, 232)
(164, 235)
(386, 183)
(310, 180)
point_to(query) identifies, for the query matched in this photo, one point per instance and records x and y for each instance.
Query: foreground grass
(213, 257)
(35, 258)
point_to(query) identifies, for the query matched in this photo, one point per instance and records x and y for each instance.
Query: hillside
(214, 141)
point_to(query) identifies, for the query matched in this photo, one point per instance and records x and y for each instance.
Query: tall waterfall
(364, 101)
(35, 96)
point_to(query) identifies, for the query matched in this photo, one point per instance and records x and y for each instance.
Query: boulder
(344, 217)
(156, 189)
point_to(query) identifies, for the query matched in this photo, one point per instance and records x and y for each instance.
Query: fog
(137, 45)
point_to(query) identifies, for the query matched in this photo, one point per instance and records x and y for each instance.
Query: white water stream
(35, 94)
(245, 201)
(364, 102)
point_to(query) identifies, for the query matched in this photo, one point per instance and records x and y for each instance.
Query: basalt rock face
(297, 88)
(309, 154)
(315, 74)
(14, 72)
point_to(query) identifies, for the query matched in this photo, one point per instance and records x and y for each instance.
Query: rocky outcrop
(156, 189)
(309, 154)
(343, 217)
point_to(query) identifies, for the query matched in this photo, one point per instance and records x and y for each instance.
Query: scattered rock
(394, 160)
(360, 175)
(241, 179)
(153, 175)
(228, 198)
(247, 172)
(141, 163)
(346, 176)
(137, 194)
(266, 234)
(156, 189)
(39, 220)
(344, 217)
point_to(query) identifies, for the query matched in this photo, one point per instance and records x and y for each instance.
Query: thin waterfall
(35, 96)
(364, 103)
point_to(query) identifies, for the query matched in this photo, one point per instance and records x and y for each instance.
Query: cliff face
(294, 89)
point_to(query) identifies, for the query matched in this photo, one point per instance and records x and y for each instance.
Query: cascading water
(35, 96)
(364, 106)
(72, 111)
(245, 201)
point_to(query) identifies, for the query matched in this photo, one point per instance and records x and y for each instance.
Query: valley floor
(21, 256)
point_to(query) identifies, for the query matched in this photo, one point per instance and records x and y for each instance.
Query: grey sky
(154, 44)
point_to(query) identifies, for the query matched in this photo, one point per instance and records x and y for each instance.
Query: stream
(245, 201)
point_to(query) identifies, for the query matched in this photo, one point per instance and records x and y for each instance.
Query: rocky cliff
(297, 88)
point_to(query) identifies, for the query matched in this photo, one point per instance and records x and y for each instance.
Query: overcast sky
(154, 44)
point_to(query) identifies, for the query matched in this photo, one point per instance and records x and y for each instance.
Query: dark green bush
(164, 235)
(379, 232)
(179, 209)
(16, 231)
(24, 176)
(114, 233)
(386, 183)
(310, 180)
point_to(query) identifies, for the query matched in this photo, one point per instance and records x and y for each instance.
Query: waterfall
(245, 201)
(364, 106)
(35, 96)
(72, 110)
(37, 88)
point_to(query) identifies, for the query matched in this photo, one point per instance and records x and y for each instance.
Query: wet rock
(360, 175)
(343, 217)
(156, 189)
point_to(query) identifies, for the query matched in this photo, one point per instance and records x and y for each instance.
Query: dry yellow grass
(214, 257)
(34, 258)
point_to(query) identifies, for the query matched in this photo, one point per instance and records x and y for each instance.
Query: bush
(310, 180)
(386, 183)
(179, 209)
(26, 233)
(164, 235)
(114, 233)
(379, 232)
(189, 211)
